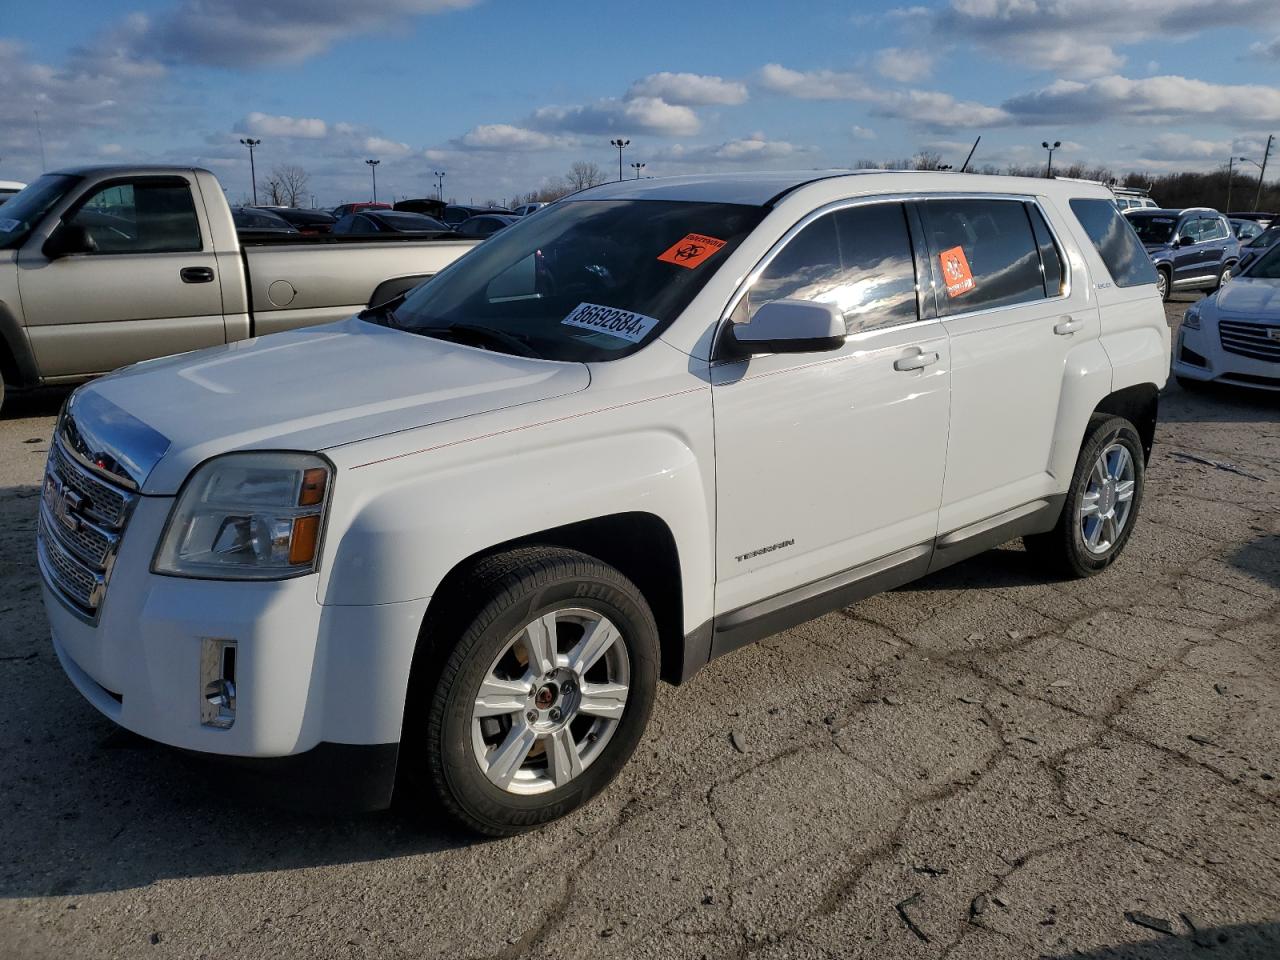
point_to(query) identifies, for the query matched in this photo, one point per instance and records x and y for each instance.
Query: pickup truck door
(150, 289)
(1011, 323)
(829, 462)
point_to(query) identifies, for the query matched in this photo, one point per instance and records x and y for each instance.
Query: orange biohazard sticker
(956, 274)
(692, 250)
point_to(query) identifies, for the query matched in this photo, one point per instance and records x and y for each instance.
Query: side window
(986, 252)
(1192, 231)
(142, 217)
(858, 259)
(1050, 256)
(1116, 242)
(1220, 229)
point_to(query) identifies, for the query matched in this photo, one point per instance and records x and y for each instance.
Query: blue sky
(504, 94)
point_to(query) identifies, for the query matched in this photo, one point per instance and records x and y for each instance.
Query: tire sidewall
(457, 772)
(1104, 435)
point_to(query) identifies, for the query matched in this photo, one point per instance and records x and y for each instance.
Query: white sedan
(1233, 336)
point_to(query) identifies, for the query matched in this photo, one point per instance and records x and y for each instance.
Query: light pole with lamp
(637, 167)
(1056, 144)
(373, 169)
(439, 175)
(253, 173)
(620, 144)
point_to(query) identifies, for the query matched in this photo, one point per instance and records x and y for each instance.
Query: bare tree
(583, 174)
(926, 160)
(287, 185)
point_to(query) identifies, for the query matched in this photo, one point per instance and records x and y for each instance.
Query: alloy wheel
(1108, 499)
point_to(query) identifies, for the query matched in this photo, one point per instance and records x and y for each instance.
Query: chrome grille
(1250, 339)
(82, 518)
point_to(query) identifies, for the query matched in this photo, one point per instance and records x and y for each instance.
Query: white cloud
(636, 115)
(505, 136)
(1268, 50)
(689, 89)
(812, 85)
(249, 33)
(1181, 146)
(381, 146)
(110, 150)
(266, 125)
(753, 149)
(1167, 99)
(904, 66)
(862, 133)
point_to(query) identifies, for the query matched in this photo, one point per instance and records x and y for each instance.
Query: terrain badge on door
(956, 274)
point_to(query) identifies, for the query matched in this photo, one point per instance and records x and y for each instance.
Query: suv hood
(1258, 298)
(308, 389)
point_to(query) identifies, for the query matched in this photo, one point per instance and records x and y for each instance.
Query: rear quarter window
(1112, 236)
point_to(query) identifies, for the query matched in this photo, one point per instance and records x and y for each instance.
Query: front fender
(403, 523)
(1086, 379)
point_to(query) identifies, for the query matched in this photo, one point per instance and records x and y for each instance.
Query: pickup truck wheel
(546, 693)
(1102, 502)
(1163, 286)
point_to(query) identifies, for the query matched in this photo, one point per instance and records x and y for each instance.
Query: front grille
(1253, 340)
(82, 518)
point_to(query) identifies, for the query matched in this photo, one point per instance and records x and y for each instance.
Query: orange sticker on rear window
(692, 250)
(956, 274)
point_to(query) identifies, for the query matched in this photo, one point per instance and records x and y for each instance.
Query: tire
(1223, 276)
(1066, 549)
(1164, 285)
(513, 768)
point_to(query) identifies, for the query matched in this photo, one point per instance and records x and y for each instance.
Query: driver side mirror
(67, 238)
(787, 326)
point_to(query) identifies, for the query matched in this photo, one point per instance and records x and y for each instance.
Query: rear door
(151, 288)
(1012, 315)
(1192, 259)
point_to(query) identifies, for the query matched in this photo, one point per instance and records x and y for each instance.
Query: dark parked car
(260, 222)
(1259, 245)
(486, 225)
(1263, 220)
(1245, 229)
(1192, 249)
(342, 210)
(455, 214)
(307, 221)
(432, 208)
(389, 222)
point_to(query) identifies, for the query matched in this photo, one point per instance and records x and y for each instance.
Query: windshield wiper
(481, 336)
(385, 313)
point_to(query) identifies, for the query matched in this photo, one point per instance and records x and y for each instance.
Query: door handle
(917, 361)
(1067, 325)
(196, 274)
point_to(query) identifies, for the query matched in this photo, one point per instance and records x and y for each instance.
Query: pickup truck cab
(1192, 249)
(105, 266)
(655, 422)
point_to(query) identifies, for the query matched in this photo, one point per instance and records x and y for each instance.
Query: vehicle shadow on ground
(1007, 566)
(1245, 941)
(1218, 403)
(1259, 558)
(44, 402)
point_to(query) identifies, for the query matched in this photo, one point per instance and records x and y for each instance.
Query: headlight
(1191, 321)
(248, 516)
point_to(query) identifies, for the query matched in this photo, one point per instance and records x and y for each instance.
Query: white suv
(452, 544)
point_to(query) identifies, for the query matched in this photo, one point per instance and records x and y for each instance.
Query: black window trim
(151, 180)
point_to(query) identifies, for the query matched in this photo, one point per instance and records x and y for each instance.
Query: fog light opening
(217, 682)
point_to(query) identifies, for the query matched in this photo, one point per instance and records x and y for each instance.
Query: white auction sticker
(611, 320)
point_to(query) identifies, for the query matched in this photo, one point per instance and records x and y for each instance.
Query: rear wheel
(1102, 502)
(1224, 276)
(1162, 283)
(545, 694)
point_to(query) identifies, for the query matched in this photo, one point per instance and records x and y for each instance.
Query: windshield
(584, 280)
(23, 211)
(1267, 266)
(1266, 238)
(1154, 230)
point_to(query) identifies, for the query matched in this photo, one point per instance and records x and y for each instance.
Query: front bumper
(1199, 355)
(307, 676)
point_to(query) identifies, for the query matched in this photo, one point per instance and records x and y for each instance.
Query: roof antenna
(970, 156)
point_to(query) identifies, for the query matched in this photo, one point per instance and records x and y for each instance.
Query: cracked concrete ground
(984, 765)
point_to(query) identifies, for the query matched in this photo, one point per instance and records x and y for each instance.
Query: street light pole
(439, 175)
(1056, 144)
(620, 144)
(373, 169)
(637, 167)
(1230, 166)
(1262, 172)
(253, 173)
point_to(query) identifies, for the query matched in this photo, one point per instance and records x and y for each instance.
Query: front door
(150, 289)
(828, 461)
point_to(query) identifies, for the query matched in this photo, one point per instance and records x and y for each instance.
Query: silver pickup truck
(105, 266)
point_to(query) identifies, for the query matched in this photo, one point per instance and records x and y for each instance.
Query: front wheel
(1224, 276)
(1102, 502)
(546, 693)
(1163, 285)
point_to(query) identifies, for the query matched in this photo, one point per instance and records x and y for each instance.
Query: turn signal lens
(313, 484)
(306, 533)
